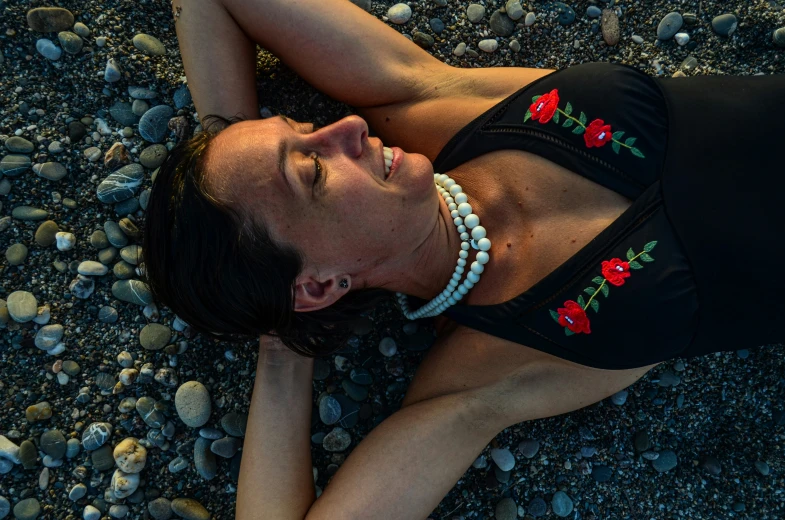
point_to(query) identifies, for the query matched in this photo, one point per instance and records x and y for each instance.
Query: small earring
(344, 283)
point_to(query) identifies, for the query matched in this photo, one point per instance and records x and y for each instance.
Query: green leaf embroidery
(568, 110)
(616, 146)
(556, 117)
(630, 141)
(554, 315)
(617, 135)
(646, 257)
(528, 115)
(578, 130)
(568, 332)
(648, 247)
(535, 98)
(590, 290)
(582, 119)
(605, 290)
(635, 265)
(581, 301)
(630, 254)
(568, 123)
(637, 153)
(595, 305)
(598, 279)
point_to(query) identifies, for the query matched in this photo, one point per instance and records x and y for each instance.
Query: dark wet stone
(121, 184)
(501, 24)
(537, 507)
(234, 424)
(53, 443)
(665, 462)
(641, 441)
(132, 291)
(154, 124)
(226, 447)
(182, 97)
(70, 42)
(102, 458)
(27, 509)
(14, 165)
(601, 473)
(50, 19)
(153, 156)
(28, 454)
(204, 459)
(122, 113)
(565, 13)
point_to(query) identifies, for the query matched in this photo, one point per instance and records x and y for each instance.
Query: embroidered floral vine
(596, 134)
(573, 316)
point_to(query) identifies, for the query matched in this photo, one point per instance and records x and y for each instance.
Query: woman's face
(349, 220)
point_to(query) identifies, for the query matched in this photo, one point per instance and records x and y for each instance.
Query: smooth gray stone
(506, 509)
(762, 468)
(22, 306)
(114, 234)
(54, 171)
(82, 286)
(72, 448)
(50, 19)
(46, 234)
(126, 207)
(71, 42)
(153, 417)
(71, 367)
(778, 37)
(665, 462)
(436, 25)
(160, 508)
(204, 459)
(155, 336)
(107, 255)
(16, 254)
(149, 45)
(29, 213)
(123, 113)
(501, 24)
(561, 503)
(529, 448)
(503, 458)
(423, 40)
(337, 440)
(399, 13)
(141, 93)
(123, 270)
(190, 509)
(49, 336)
(234, 423)
(81, 30)
(77, 492)
(112, 71)
(98, 239)
(92, 268)
(192, 400)
(107, 314)
(154, 124)
(121, 184)
(619, 398)
(177, 464)
(132, 291)
(14, 165)
(27, 509)
(475, 12)
(668, 379)
(96, 435)
(211, 433)
(132, 254)
(139, 107)
(593, 11)
(669, 25)
(102, 458)
(48, 49)
(537, 507)
(724, 24)
(514, 9)
(329, 410)
(153, 156)
(226, 447)
(182, 96)
(5, 507)
(16, 144)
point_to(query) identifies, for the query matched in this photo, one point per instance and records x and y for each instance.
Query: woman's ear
(312, 295)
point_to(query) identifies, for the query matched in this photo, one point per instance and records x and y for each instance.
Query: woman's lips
(396, 161)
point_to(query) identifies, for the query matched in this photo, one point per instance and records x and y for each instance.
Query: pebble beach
(113, 407)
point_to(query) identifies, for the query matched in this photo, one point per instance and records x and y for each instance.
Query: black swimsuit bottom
(693, 266)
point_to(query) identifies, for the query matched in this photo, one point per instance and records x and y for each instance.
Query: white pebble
(488, 45)
(57, 349)
(65, 241)
(43, 479)
(388, 347)
(460, 49)
(48, 49)
(399, 13)
(529, 20)
(63, 378)
(682, 38)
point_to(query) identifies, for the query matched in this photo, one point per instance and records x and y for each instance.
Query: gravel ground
(697, 439)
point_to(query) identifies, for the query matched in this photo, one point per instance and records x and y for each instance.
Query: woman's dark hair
(221, 272)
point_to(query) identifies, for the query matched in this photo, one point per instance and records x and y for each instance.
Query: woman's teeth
(388, 157)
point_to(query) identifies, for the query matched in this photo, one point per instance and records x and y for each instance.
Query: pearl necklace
(463, 218)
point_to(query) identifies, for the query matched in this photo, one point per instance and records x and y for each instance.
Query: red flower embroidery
(543, 109)
(597, 134)
(615, 271)
(574, 317)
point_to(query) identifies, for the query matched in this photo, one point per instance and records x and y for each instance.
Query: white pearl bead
(462, 261)
(458, 221)
(456, 277)
(464, 208)
(473, 277)
(464, 246)
(461, 228)
(471, 220)
(483, 257)
(462, 289)
(464, 236)
(449, 200)
(477, 268)
(443, 177)
(455, 189)
(463, 254)
(478, 232)
(461, 197)
(484, 244)
(459, 269)
(453, 207)
(454, 213)
(449, 183)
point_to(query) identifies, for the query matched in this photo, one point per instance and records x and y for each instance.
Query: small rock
(71, 42)
(16, 254)
(27, 509)
(503, 458)
(82, 286)
(46, 233)
(329, 410)
(226, 447)
(565, 13)
(515, 46)
(475, 12)
(9, 450)
(610, 27)
(77, 492)
(514, 9)
(182, 97)
(48, 49)
(422, 39)
(153, 156)
(96, 435)
(123, 113)
(130, 456)
(681, 38)
(399, 14)
(724, 24)
(153, 417)
(154, 124)
(778, 36)
(337, 440)
(530, 19)
(668, 379)
(112, 72)
(762, 467)
(537, 507)
(529, 448)
(669, 26)
(619, 398)
(506, 509)
(91, 513)
(28, 454)
(81, 29)
(488, 45)
(665, 462)
(190, 509)
(601, 473)
(593, 11)
(124, 484)
(149, 45)
(49, 19)
(132, 291)
(72, 448)
(122, 184)
(711, 465)
(234, 424)
(107, 314)
(14, 165)
(48, 336)
(192, 401)
(459, 50)
(501, 24)
(641, 441)
(204, 459)
(436, 25)
(16, 144)
(561, 503)
(22, 306)
(160, 508)
(155, 336)
(65, 241)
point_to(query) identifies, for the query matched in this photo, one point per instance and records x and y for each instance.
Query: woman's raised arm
(336, 46)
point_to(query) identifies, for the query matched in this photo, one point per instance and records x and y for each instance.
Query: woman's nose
(349, 134)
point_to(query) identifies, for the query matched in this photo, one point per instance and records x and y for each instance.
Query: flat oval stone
(50, 19)
(149, 45)
(22, 306)
(234, 424)
(77, 492)
(503, 458)
(28, 454)
(106, 256)
(49, 336)
(204, 459)
(16, 144)
(92, 268)
(329, 410)
(102, 458)
(192, 402)
(337, 440)
(190, 509)
(71, 42)
(27, 509)
(153, 417)
(724, 24)
(46, 233)
(29, 213)
(610, 27)
(226, 447)
(48, 49)
(14, 165)
(153, 156)
(669, 25)
(123, 113)
(141, 93)
(501, 24)
(96, 435)
(665, 462)
(72, 448)
(121, 184)
(488, 45)
(155, 336)
(160, 508)
(475, 12)
(114, 234)
(154, 124)
(124, 484)
(561, 503)
(132, 254)
(132, 291)
(399, 14)
(16, 254)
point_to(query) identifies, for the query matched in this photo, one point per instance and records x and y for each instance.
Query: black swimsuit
(693, 266)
